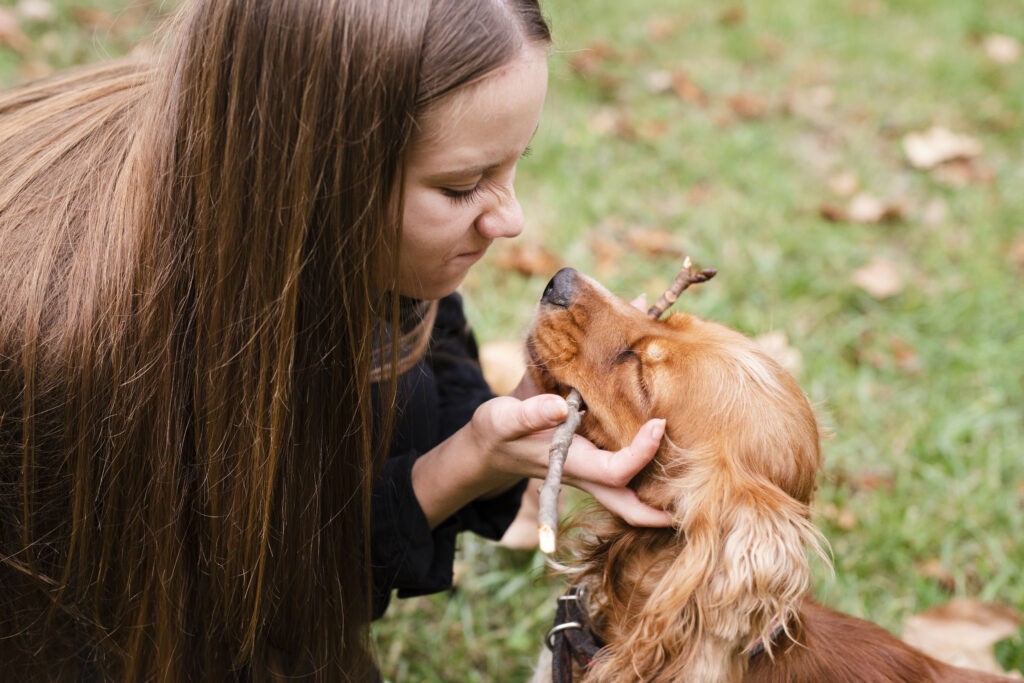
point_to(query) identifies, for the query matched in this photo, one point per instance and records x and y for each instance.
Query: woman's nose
(505, 219)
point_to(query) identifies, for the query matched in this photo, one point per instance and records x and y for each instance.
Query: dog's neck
(626, 570)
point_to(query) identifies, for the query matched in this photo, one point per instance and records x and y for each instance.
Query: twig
(687, 276)
(547, 512)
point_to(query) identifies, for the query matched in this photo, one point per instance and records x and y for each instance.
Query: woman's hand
(515, 437)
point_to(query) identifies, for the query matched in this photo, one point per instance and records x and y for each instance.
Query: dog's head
(737, 470)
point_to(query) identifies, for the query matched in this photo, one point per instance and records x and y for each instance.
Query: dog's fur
(737, 470)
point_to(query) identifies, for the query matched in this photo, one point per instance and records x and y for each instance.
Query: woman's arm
(508, 439)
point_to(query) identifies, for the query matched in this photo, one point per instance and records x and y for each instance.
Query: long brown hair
(195, 261)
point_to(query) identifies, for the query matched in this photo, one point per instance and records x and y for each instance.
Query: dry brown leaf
(686, 89)
(963, 632)
(832, 212)
(905, 355)
(934, 570)
(662, 27)
(35, 68)
(748, 105)
(1017, 254)
(938, 145)
(732, 15)
(881, 278)
(589, 61)
(503, 365)
(961, 173)
(842, 517)
(653, 242)
(867, 208)
(527, 259)
(92, 17)
(776, 345)
(611, 121)
(36, 10)
(11, 34)
(844, 184)
(1001, 49)
(607, 254)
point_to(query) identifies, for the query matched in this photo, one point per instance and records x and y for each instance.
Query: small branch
(547, 513)
(687, 276)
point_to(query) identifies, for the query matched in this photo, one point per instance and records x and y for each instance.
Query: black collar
(571, 640)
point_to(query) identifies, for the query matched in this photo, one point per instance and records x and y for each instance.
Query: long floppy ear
(740, 571)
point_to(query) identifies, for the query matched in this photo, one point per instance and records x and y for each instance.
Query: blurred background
(855, 172)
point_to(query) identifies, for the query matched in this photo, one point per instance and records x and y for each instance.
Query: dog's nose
(560, 289)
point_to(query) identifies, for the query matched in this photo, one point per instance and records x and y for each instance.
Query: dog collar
(571, 640)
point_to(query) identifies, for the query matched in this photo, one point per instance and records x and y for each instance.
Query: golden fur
(737, 469)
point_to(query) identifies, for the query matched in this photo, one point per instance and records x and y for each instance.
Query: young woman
(238, 403)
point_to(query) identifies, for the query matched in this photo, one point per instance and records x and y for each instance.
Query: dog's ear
(740, 571)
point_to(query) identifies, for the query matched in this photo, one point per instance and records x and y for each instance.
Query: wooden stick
(547, 512)
(687, 276)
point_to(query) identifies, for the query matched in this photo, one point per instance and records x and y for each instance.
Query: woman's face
(459, 194)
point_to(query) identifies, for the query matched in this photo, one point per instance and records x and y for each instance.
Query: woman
(216, 272)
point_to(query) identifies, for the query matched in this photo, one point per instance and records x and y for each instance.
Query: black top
(436, 398)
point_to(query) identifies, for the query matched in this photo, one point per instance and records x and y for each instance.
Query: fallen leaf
(614, 122)
(867, 208)
(961, 173)
(881, 278)
(748, 105)
(36, 10)
(527, 259)
(660, 28)
(1017, 254)
(938, 145)
(935, 212)
(844, 184)
(654, 242)
(589, 61)
(607, 254)
(11, 34)
(34, 69)
(92, 17)
(660, 81)
(686, 88)
(732, 15)
(503, 365)
(1001, 49)
(905, 355)
(934, 570)
(842, 517)
(776, 344)
(963, 632)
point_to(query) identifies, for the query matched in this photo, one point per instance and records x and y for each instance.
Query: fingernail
(657, 429)
(555, 409)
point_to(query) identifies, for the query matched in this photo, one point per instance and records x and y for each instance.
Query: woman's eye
(462, 196)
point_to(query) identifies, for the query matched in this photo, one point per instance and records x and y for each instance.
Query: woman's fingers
(605, 474)
(624, 502)
(588, 463)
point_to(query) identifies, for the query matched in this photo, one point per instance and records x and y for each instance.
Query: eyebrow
(480, 169)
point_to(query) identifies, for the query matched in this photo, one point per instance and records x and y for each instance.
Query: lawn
(785, 144)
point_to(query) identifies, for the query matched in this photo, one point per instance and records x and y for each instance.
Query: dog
(723, 595)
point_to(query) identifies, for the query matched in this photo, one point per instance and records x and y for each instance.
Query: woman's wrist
(454, 473)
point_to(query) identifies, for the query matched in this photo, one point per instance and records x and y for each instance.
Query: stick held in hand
(547, 513)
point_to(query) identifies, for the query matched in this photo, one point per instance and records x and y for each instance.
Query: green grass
(923, 391)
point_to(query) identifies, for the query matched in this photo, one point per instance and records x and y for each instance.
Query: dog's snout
(560, 289)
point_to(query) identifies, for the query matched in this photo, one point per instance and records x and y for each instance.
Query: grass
(923, 390)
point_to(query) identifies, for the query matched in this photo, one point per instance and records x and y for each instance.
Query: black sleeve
(442, 393)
